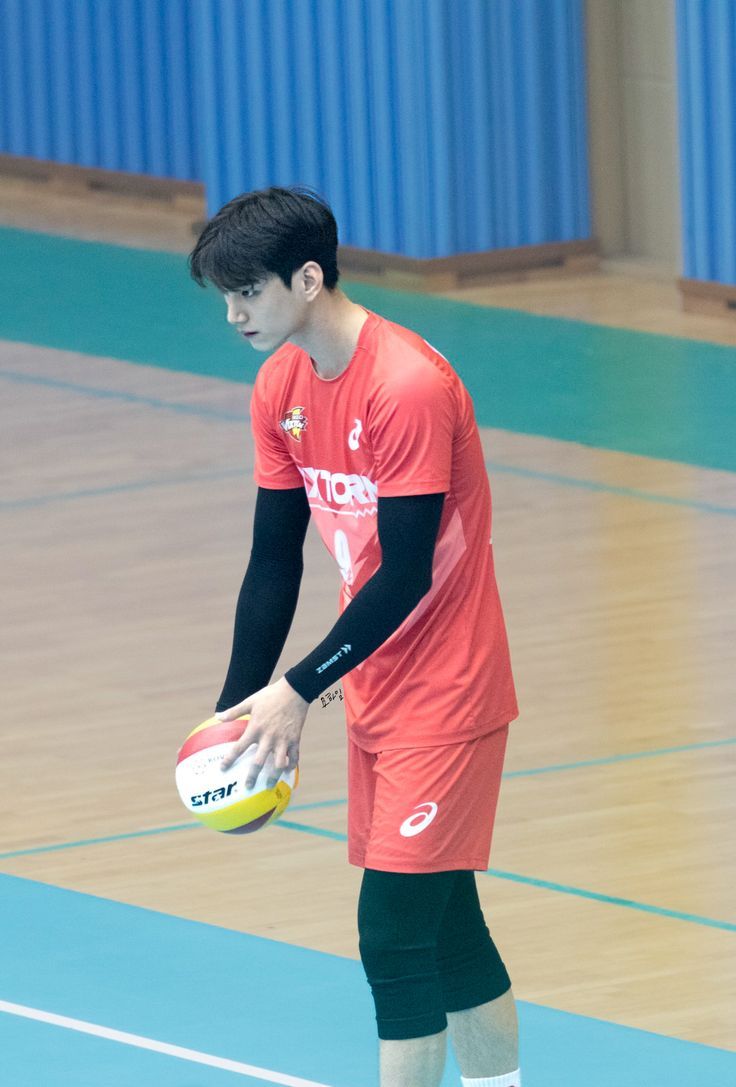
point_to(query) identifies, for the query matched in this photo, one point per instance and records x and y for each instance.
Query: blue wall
(102, 83)
(432, 126)
(706, 46)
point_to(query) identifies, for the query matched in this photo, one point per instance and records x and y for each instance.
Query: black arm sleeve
(407, 532)
(269, 592)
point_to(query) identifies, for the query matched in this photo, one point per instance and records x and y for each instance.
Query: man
(362, 425)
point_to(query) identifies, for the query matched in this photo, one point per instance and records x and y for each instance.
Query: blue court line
(508, 469)
(169, 828)
(337, 836)
(547, 885)
(320, 832)
(243, 417)
(200, 410)
(80, 842)
(608, 760)
(610, 488)
(612, 900)
(318, 804)
(121, 488)
(611, 759)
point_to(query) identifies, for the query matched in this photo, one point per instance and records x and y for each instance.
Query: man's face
(266, 314)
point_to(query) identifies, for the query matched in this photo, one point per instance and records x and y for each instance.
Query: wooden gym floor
(126, 511)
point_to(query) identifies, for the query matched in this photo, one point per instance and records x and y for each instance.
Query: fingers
(280, 763)
(257, 763)
(232, 714)
(237, 749)
(274, 725)
(241, 710)
(233, 755)
(285, 757)
(248, 737)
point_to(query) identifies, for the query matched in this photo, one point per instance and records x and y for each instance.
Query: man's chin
(258, 344)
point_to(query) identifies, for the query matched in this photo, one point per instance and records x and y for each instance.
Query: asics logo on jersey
(354, 435)
(294, 423)
(339, 487)
(420, 819)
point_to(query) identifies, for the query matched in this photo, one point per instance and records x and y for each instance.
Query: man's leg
(486, 1039)
(414, 1062)
(478, 999)
(399, 917)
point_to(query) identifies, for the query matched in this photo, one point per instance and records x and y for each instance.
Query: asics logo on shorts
(420, 819)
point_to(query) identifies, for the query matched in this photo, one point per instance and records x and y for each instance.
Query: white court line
(158, 1047)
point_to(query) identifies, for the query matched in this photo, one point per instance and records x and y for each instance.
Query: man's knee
(398, 948)
(472, 974)
(426, 950)
(470, 967)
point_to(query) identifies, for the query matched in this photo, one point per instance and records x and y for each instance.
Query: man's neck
(332, 335)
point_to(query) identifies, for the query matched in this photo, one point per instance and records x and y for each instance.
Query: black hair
(260, 234)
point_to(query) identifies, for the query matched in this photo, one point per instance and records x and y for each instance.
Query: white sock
(511, 1079)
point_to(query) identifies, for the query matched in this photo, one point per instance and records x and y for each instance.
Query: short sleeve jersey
(397, 421)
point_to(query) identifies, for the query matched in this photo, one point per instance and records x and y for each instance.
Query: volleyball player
(362, 425)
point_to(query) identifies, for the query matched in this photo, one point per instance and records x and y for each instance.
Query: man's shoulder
(278, 368)
(391, 332)
(411, 345)
(404, 360)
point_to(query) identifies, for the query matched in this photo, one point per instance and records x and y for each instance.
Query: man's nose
(236, 313)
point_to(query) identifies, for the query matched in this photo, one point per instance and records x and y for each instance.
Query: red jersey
(397, 421)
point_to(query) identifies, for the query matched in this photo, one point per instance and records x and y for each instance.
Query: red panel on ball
(221, 733)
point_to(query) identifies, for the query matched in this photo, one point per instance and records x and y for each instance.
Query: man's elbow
(425, 584)
(417, 587)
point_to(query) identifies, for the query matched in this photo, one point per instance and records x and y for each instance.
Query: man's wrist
(294, 685)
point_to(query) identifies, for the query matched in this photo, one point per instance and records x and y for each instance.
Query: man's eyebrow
(240, 287)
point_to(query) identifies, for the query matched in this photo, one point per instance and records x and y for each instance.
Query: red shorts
(427, 809)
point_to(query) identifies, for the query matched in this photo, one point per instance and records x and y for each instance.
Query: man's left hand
(277, 715)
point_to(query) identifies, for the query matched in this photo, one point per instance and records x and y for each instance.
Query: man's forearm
(407, 531)
(263, 618)
(376, 612)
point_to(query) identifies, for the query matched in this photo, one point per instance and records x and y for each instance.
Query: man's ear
(309, 279)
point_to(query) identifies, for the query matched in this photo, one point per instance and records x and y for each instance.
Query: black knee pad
(470, 968)
(399, 916)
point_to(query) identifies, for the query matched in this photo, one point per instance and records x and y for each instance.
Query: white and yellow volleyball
(218, 798)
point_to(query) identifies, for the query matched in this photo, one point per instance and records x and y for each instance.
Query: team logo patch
(295, 423)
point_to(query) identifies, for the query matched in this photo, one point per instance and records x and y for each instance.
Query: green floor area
(635, 392)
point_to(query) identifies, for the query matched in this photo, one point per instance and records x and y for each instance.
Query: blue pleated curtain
(434, 127)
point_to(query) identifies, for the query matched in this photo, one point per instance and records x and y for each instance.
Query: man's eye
(248, 292)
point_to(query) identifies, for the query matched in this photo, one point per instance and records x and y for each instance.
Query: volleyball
(219, 798)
